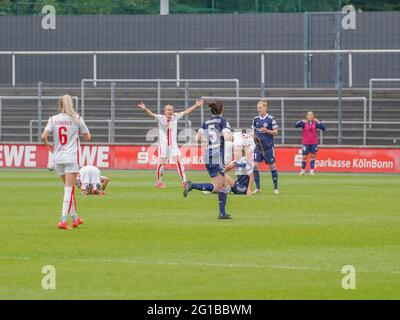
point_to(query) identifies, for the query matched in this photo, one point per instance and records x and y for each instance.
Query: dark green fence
(76, 7)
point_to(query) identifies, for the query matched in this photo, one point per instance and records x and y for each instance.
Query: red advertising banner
(378, 160)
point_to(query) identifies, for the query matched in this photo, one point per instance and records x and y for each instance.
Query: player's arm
(274, 131)
(83, 129)
(230, 166)
(200, 136)
(104, 182)
(197, 104)
(142, 106)
(319, 125)
(300, 124)
(46, 134)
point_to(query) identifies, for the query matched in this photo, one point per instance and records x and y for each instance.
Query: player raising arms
(310, 140)
(216, 131)
(265, 128)
(66, 128)
(168, 145)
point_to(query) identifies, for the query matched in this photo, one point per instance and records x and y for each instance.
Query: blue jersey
(213, 130)
(268, 122)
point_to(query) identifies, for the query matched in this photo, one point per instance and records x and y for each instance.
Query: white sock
(74, 215)
(181, 171)
(160, 172)
(67, 203)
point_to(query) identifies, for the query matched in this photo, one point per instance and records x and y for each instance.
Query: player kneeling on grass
(91, 181)
(168, 145)
(243, 169)
(65, 128)
(309, 140)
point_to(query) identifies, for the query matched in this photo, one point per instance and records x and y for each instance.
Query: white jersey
(243, 140)
(89, 175)
(66, 137)
(168, 129)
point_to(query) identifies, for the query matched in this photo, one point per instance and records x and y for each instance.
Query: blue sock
(257, 178)
(222, 197)
(304, 164)
(312, 164)
(274, 174)
(203, 186)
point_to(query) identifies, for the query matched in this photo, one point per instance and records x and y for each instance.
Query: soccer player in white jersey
(65, 128)
(91, 181)
(167, 138)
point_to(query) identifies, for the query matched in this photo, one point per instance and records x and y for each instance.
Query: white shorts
(90, 175)
(165, 151)
(63, 168)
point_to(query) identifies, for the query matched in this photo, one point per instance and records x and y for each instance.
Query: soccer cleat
(302, 173)
(187, 188)
(276, 191)
(312, 173)
(256, 191)
(64, 225)
(224, 216)
(77, 223)
(160, 185)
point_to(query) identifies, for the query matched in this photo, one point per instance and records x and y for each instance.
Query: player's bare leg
(303, 166)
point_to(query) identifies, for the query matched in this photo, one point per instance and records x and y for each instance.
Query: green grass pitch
(142, 243)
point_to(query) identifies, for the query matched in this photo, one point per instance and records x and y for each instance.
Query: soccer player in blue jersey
(217, 132)
(265, 128)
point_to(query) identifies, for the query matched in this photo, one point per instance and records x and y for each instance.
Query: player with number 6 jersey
(65, 128)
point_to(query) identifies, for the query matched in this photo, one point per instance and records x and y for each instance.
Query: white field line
(198, 264)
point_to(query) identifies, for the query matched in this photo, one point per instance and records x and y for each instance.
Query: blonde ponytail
(66, 105)
(263, 101)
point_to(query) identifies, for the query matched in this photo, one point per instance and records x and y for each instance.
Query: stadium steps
(16, 114)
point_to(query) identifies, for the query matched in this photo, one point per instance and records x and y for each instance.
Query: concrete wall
(173, 32)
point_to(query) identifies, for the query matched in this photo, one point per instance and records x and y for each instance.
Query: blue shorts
(268, 157)
(239, 189)
(215, 169)
(309, 148)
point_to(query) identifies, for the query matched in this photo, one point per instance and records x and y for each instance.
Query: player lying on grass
(243, 153)
(309, 140)
(65, 128)
(215, 132)
(168, 145)
(91, 182)
(265, 128)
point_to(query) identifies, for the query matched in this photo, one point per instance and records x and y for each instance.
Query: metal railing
(111, 135)
(39, 99)
(370, 98)
(363, 123)
(283, 99)
(262, 53)
(158, 82)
